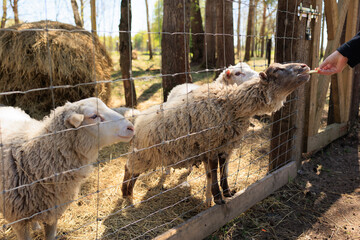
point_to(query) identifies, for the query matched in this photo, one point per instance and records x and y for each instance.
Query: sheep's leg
(128, 183)
(215, 190)
(208, 184)
(224, 175)
(22, 231)
(50, 231)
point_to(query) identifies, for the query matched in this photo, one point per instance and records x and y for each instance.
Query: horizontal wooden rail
(215, 217)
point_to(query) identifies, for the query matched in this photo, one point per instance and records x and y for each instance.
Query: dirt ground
(323, 202)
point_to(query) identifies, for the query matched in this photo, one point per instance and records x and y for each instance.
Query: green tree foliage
(156, 24)
(140, 41)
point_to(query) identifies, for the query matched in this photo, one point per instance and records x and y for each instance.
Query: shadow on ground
(323, 202)
(153, 215)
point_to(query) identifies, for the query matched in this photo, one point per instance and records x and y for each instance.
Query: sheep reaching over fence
(237, 74)
(46, 161)
(209, 127)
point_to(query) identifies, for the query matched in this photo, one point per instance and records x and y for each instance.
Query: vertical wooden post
(354, 108)
(291, 46)
(348, 73)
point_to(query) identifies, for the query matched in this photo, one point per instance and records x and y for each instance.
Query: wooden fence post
(288, 123)
(354, 108)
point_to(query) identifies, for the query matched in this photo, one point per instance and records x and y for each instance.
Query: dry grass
(160, 201)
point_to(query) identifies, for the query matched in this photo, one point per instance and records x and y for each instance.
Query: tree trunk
(93, 16)
(238, 31)
(225, 32)
(149, 30)
(3, 19)
(262, 30)
(210, 30)
(75, 9)
(175, 47)
(198, 40)
(322, 37)
(249, 30)
(125, 53)
(253, 38)
(15, 10)
(82, 10)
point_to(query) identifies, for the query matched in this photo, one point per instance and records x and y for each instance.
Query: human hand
(334, 63)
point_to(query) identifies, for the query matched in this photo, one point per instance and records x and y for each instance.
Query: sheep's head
(282, 79)
(100, 121)
(238, 74)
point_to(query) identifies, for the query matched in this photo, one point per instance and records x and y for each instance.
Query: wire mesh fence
(167, 192)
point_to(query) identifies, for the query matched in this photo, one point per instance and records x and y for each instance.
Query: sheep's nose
(130, 128)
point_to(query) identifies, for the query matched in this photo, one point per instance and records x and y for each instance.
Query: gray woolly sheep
(237, 74)
(209, 127)
(45, 162)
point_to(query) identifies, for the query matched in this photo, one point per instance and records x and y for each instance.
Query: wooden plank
(348, 73)
(215, 217)
(331, 13)
(311, 88)
(324, 81)
(337, 92)
(331, 133)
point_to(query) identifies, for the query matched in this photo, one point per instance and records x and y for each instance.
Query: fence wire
(166, 196)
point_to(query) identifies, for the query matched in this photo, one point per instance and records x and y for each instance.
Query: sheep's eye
(238, 73)
(277, 69)
(94, 116)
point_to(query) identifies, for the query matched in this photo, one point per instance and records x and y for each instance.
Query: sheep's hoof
(229, 193)
(219, 201)
(36, 226)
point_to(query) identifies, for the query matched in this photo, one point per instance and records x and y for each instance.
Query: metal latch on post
(309, 14)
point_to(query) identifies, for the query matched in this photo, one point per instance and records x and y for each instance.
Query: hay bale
(134, 55)
(26, 63)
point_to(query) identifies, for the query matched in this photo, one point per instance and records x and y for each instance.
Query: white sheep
(209, 127)
(45, 162)
(237, 74)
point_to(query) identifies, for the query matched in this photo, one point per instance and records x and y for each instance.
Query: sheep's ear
(263, 76)
(228, 73)
(75, 119)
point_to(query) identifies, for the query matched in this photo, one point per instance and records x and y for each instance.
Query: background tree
(14, 6)
(93, 16)
(254, 41)
(175, 47)
(322, 36)
(125, 53)
(156, 24)
(210, 29)
(149, 30)
(225, 32)
(198, 41)
(249, 30)
(3, 19)
(77, 18)
(238, 47)
(82, 6)
(266, 4)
